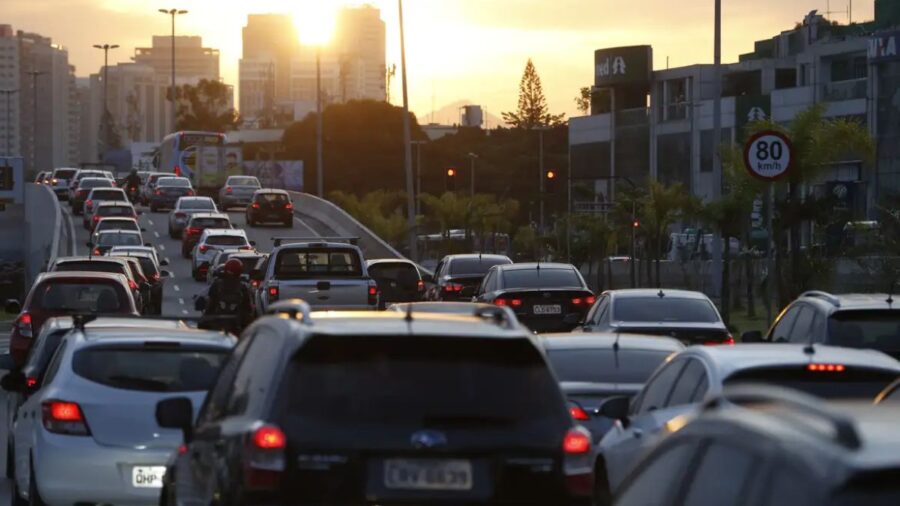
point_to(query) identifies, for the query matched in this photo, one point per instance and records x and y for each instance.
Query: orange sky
(456, 49)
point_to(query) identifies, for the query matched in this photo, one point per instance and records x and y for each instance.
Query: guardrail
(41, 245)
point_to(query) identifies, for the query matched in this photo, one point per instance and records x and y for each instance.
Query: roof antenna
(660, 293)
(810, 349)
(890, 299)
(409, 311)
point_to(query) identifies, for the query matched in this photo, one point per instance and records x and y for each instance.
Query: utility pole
(407, 139)
(34, 118)
(320, 163)
(718, 178)
(173, 13)
(8, 94)
(418, 145)
(106, 48)
(472, 158)
(541, 175)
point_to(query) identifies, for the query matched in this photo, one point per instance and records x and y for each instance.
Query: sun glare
(315, 21)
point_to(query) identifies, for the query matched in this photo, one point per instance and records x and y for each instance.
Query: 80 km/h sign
(767, 155)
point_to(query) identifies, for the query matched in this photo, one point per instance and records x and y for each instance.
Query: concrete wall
(42, 227)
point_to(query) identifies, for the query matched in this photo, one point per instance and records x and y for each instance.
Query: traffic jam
(254, 361)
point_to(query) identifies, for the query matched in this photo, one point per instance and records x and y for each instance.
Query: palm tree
(660, 208)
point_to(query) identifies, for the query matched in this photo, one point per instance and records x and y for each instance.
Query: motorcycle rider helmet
(233, 267)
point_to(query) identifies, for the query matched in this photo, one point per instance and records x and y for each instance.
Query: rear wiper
(144, 383)
(465, 421)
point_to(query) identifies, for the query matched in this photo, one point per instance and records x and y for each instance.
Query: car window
(852, 382)
(89, 266)
(107, 195)
(657, 482)
(305, 263)
(782, 329)
(475, 266)
(685, 387)
(178, 182)
(119, 240)
(271, 198)
(541, 278)
(664, 309)
(117, 225)
(115, 211)
(800, 332)
(253, 377)
(243, 181)
(210, 223)
(710, 486)
(39, 357)
(214, 405)
(878, 329)
(181, 369)
(399, 272)
(226, 240)
(603, 365)
(788, 486)
(55, 363)
(205, 204)
(655, 394)
(599, 310)
(79, 296)
(63, 173)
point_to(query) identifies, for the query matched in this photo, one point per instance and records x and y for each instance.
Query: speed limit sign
(767, 155)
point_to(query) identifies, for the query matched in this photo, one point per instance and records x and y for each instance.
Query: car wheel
(34, 497)
(10, 460)
(602, 494)
(153, 208)
(289, 223)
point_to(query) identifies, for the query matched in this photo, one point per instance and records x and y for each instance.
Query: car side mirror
(148, 244)
(176, 413)
(572, 319)
(13, 306)
(256, 275)
(200, 303)
(252, 243)
(752, 336)
(163, 263)
(615, 408)
(14, 381)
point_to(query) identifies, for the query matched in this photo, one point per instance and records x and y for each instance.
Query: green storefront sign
(750, 108)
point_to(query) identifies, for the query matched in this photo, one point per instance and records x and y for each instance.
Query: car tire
(10, 460)
(602, 495)
(288, 223)
(34, 496)
(250, 222)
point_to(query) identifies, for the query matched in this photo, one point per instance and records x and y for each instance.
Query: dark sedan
(456, 277)
(546, 297)
(270, 206)
(168, 191)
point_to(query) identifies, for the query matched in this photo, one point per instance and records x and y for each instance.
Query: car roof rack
(292, 307)
(208, 322)
(845, 433)
(299, 240)
(819, 294)
(501, 315)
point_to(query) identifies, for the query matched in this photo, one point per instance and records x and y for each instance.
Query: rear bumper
(542, 324)
(271, 216)
(233, 200)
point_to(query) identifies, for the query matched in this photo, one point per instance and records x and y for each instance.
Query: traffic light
(450, 179)
(550, 178)
(636, 223)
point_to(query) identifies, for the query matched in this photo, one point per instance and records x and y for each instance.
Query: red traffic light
(451, 172)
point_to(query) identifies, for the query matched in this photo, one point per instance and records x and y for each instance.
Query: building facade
(10, 118)
(360, 45)
(193, 62)
(270, 43)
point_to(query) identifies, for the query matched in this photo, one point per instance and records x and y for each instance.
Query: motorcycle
(134, 193)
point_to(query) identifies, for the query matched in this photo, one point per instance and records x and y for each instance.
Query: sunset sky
(456, 49)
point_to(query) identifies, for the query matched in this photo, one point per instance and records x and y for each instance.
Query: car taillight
(204, 269)
(24, 325)
(577, 463)
(729, 341)
(273, 293)
(190, 193)
(132, 284)
(31, 382)
(826, 367)
(229, 190)
(373, 294)
(180, 215)
(203, 248)
(62, 417)
(97, 252)
(420, 285)
(577, 301)
(246, 247)
(576, 443)
(254, 283)
(453, 287)
(289, 206)
(155, 276)
(114, 185)
(265, 459)
(508, 302)
(255, 205)
(96, 218)
(89, 203)
(193, 231)
(579, 414)
(159, 192)
(177, 170)
(590, 300)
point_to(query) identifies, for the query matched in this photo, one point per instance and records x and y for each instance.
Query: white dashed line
(162, 247)
(156, 234)
(184, 311)
(177, 289)
(181, 301)
(150, 222)
(167, 260)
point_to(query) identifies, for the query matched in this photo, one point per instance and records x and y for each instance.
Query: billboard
(623, 65)
(284, 174)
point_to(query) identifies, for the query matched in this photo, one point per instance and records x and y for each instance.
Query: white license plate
(147, 476)
(422, 474)
(548, 309)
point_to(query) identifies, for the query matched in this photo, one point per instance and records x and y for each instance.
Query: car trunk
(687, 333)
(544, 309)
(421, 418)
(243, 192)
(326, 293)
(589, 397)
(398, 282)
(175, 191)
(455, 285)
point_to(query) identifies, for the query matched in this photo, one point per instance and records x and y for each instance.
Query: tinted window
(782, 329)
(210, 223)
(64, 173)
(663, 309)
(272, 198)
(309, 262)
(107, 195)
(226, 240)
(866, 329)
(880, 488)
(115, 211)
(605, 366)
(112, 267)
(117, 225)
(148, 266)
(683, 393)
(541, 278)
(73, 296)
(656, 393)
(442, 383)
(243, 181)
(800, 332)
(41, 353)
(401, 272)
(180, 369)
(119, 240)
(179, 182)
(196, 204)
(852, 383)
(655, 483)
(710, 486)
(94, 183)
(475, 266)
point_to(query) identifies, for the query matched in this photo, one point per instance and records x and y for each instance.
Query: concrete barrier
(43, 227)
(341, 222)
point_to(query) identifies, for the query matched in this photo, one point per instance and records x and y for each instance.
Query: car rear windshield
(474, 266)
(243, 181)
(117, 225)
(541, 278)
(249, 263)
(271, 198)
(76, 296)
(226, 240)
(119, 240)
(175, 181)
(853, 382)
(663, 309)
(210, 223)
(604, 365)
(64, 173)
(95, 183)
(149, 368)
(400, 272)
(197, 204)
(878, 329)
(115, 211)
(422, 382)
(108, 195)
(295, 264)
(113, 267)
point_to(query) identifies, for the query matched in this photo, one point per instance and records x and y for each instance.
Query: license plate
(147, 476)
(422, 474)
(548, 309)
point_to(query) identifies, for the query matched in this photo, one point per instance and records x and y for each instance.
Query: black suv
(773, 447)
(268, 206)
(380, 408)
(851, 320)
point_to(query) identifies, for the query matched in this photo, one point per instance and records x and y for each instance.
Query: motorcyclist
(132, 184)
(229, 295)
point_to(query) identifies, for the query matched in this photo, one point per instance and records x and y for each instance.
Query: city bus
(198, 156)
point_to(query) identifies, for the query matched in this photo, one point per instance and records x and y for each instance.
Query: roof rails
(845, 432)
(822, 295)
(299, 240)
(292, 307)
(501, 315)
(208, 322)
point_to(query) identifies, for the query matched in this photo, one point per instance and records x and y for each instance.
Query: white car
(59, 182)
(213, 240)
(97, 195)
(184, 208)
(162, 262)
(117, 223)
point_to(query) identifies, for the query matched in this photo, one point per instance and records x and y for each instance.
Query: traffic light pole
(634, 222)
(541, 177)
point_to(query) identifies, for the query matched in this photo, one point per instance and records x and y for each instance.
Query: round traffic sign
(768, 155)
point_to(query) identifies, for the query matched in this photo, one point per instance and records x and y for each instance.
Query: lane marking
(156, 234)
(167, 260)
(298, 220)
(150, 221)
(177, 289)
(184, 311)
(71, 227)
(181, 301)
(162, 247)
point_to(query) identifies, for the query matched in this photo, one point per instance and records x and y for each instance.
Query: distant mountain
(450, 115)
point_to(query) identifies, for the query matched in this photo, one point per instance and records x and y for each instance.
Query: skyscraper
(270, 43)
(193, 62)
(360, 44)
(9, 82)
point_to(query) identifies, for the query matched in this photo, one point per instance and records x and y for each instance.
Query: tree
(134, 120)
(532, 111)
(583, 100)
(205, 107)
(109, 138)
(660, 207)
(380, 211)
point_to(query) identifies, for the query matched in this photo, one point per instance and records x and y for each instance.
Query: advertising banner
(623, 65)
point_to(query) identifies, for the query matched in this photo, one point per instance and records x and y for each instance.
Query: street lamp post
(540, 130)
(34, 103)
(106, 48)
(418, 145)
(320, 163)
(173, 13)
(718, 177)
(407, 139)
(472, 158)
(8, 94)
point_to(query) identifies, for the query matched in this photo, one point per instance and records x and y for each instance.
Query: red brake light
(96, 218)
(64, 411)
(25, 319)
(500, 302)
(420, 285)
(192, 231)
(515, 302)
(576, 443)
(729, 341)
(826, 367)
(203, 248)
(577, 301)
(453, 287)
(180, 215)
(177, 170)
(255, 205)
(268, 437)
(132, 284)
(97, 252)
(273, 291)
(159, 192)
(63, 418)
(155, 276)
(89, 203)
(590, 300)
(229, 189)
(190, 193)
(508, 302)
(578, 413)
(289, 206)
(24, 325)
(182, 449)
(30, 382)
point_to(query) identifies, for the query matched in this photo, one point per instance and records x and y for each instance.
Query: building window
(707, 148)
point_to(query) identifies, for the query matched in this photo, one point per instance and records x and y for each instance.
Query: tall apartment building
(360, 44)
(193, 62)
(270, 44)
(9, 86)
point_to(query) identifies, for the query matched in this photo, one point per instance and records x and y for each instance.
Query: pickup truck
(329, 273)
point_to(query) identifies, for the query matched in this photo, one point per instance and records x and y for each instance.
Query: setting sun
(315, 21)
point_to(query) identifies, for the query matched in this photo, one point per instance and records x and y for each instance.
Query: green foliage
(583, 100)
(380, 211)
(204, 107)
(525, 242)
(532, 111)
